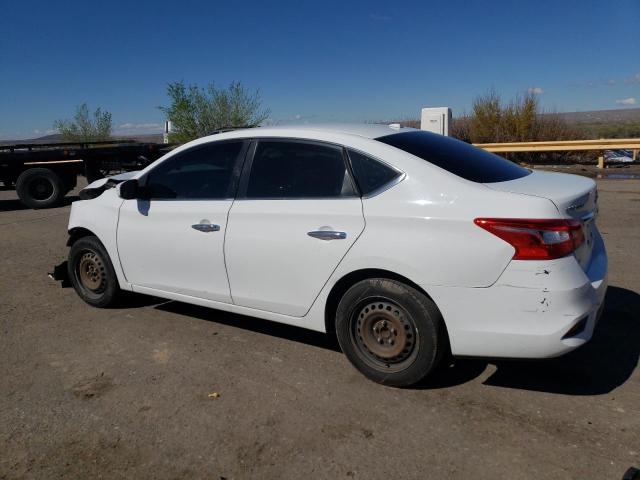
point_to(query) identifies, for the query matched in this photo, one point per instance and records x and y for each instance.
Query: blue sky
(312, 61)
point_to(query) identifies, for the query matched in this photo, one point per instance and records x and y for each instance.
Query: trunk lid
(575, 197)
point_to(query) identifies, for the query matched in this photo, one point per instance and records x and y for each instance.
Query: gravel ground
(88, 393)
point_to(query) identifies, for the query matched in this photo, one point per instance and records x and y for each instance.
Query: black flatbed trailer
(42, 174)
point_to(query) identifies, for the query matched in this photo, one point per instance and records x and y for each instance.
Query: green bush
(195, 112)
(520, 120)
(83, 128)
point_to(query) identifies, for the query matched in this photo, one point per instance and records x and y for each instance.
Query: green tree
(195, 112)
(84, 128)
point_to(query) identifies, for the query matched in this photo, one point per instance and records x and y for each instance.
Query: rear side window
(202, 172)
(459, 158)
(285, 169)
(371, 175)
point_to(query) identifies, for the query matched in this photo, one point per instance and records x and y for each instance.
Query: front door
(174, 241)
(296, 216)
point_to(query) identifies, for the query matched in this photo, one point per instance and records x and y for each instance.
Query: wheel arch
(76, 233)
(350, 279)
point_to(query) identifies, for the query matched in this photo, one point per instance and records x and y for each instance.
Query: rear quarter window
(457, 157)
(371, 175)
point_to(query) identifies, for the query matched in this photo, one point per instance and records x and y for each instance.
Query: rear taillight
(536, 239)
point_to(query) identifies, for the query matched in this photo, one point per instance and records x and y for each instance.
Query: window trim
(236, 171)
(382, 188)
(248, 165)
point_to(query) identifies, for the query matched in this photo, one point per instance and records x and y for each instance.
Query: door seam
(224, 251)
(364, 227)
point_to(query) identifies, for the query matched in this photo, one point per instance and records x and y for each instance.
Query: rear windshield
(459, 158)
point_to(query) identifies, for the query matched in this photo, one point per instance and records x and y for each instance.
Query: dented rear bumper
(536, 309)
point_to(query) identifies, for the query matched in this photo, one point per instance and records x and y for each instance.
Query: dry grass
(520, 120)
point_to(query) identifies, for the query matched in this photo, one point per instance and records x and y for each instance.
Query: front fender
(99, 216)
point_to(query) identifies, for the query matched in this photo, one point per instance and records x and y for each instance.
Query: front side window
(203, 172)
(286, 169)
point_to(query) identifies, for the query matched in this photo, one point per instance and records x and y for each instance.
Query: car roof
(358, 136)
(366, 130)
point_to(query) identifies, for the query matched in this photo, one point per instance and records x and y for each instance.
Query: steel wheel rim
(384, 335)
(91, 272)
(41, 189)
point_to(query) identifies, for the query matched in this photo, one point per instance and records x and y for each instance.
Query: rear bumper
(535, 310)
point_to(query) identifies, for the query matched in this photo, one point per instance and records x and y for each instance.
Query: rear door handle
(327, 234)
(206, 227)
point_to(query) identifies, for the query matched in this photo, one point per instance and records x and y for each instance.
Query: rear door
(174, 241)
(296, 216)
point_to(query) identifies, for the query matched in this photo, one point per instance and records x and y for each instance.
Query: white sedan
(408, 245)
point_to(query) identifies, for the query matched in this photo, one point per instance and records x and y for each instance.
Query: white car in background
(624, 156)
(408, 245)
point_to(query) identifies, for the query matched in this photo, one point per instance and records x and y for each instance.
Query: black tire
(40, 188)
(92, 274)
(390, 332)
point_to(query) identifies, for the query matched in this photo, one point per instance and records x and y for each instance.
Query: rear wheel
(391, 332)
(40, 188)
(92, 273)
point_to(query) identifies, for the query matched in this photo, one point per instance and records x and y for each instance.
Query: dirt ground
(123, 393)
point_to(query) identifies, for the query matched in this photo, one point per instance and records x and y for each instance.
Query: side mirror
(129, 189)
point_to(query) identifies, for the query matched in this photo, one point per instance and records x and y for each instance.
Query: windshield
(460, 158)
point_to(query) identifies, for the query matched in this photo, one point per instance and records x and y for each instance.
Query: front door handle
(206, 227)
(327, 234)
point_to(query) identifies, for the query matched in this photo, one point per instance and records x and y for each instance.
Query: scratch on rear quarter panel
(545, 305)
(524, 287)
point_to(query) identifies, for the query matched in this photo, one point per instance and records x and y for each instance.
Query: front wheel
(390, 332)
(92, 273)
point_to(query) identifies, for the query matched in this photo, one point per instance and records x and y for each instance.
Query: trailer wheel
(40, 188)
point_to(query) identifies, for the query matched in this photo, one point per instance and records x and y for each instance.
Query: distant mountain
(621, 115)
(57, 138)
(618, 116)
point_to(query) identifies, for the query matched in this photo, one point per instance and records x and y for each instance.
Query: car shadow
(15, 204)
(266, 327)
(597, 368)
(603, 364)
(127, 300)
(137, 300)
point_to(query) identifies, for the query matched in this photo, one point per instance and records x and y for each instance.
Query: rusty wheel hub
(91, 272)
(384, 332)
